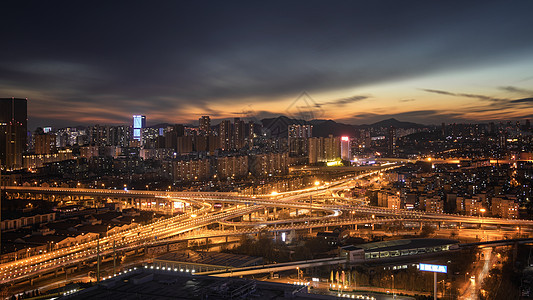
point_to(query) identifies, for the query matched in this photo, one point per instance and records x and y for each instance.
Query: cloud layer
(173, 61)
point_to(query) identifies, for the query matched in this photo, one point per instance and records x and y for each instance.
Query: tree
(426, 231)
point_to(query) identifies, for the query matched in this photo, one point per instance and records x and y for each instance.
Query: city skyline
(359, 62)
(268, 150)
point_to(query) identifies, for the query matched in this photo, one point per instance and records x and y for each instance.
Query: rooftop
(159, 284)
(211, 258)
(404, 244)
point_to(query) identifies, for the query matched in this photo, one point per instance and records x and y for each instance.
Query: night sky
(87, 62)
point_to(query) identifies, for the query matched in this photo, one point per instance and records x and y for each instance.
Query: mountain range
(322, 128)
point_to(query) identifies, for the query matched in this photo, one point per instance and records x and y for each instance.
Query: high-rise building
(224, 134)
(13, 131)
(172, 134)
(45, 143)
(345, 148)
(300, 131)
(139, 122)
(232, 166)
(238, 133)
(332, 148)
(298, 139)
(205, 125)
(392, 141)
(314, 150)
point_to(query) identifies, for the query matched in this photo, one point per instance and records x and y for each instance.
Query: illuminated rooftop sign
(433, 268)
(335, 163)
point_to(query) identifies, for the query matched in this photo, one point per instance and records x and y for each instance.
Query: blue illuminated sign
(433, 268)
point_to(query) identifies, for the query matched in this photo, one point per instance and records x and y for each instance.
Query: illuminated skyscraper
(13, 131)
(139, 122)
(345, 148)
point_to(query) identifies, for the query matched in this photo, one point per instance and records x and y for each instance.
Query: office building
(345, 148)
(139, 122)
(13, 131)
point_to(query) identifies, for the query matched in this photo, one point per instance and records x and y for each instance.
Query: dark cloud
(524, 100)
(480, 97)
(406, 100)
(514, 89)
(162, 58)
(418, 116)
(344, 101)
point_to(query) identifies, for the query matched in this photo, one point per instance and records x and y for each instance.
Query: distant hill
(394, 123)
(323, 128)
(326, 127)
(278, 126)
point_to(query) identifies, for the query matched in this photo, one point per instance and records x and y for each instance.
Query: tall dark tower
(392, 142)
(238, 133)
(224, 134)
(13, 131)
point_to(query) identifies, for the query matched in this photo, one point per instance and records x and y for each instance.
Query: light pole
(393, 293)
(482, 210)
(98, 260)
(311, 205)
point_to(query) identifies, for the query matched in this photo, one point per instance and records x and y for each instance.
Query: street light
(482, 210)
(393, 293)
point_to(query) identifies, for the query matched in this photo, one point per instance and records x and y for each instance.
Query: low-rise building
(505, 208)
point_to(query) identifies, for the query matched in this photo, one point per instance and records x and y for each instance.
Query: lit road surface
(156, 232)
(33, 266)
(480, 271)
(130, 239)
(364, 293)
